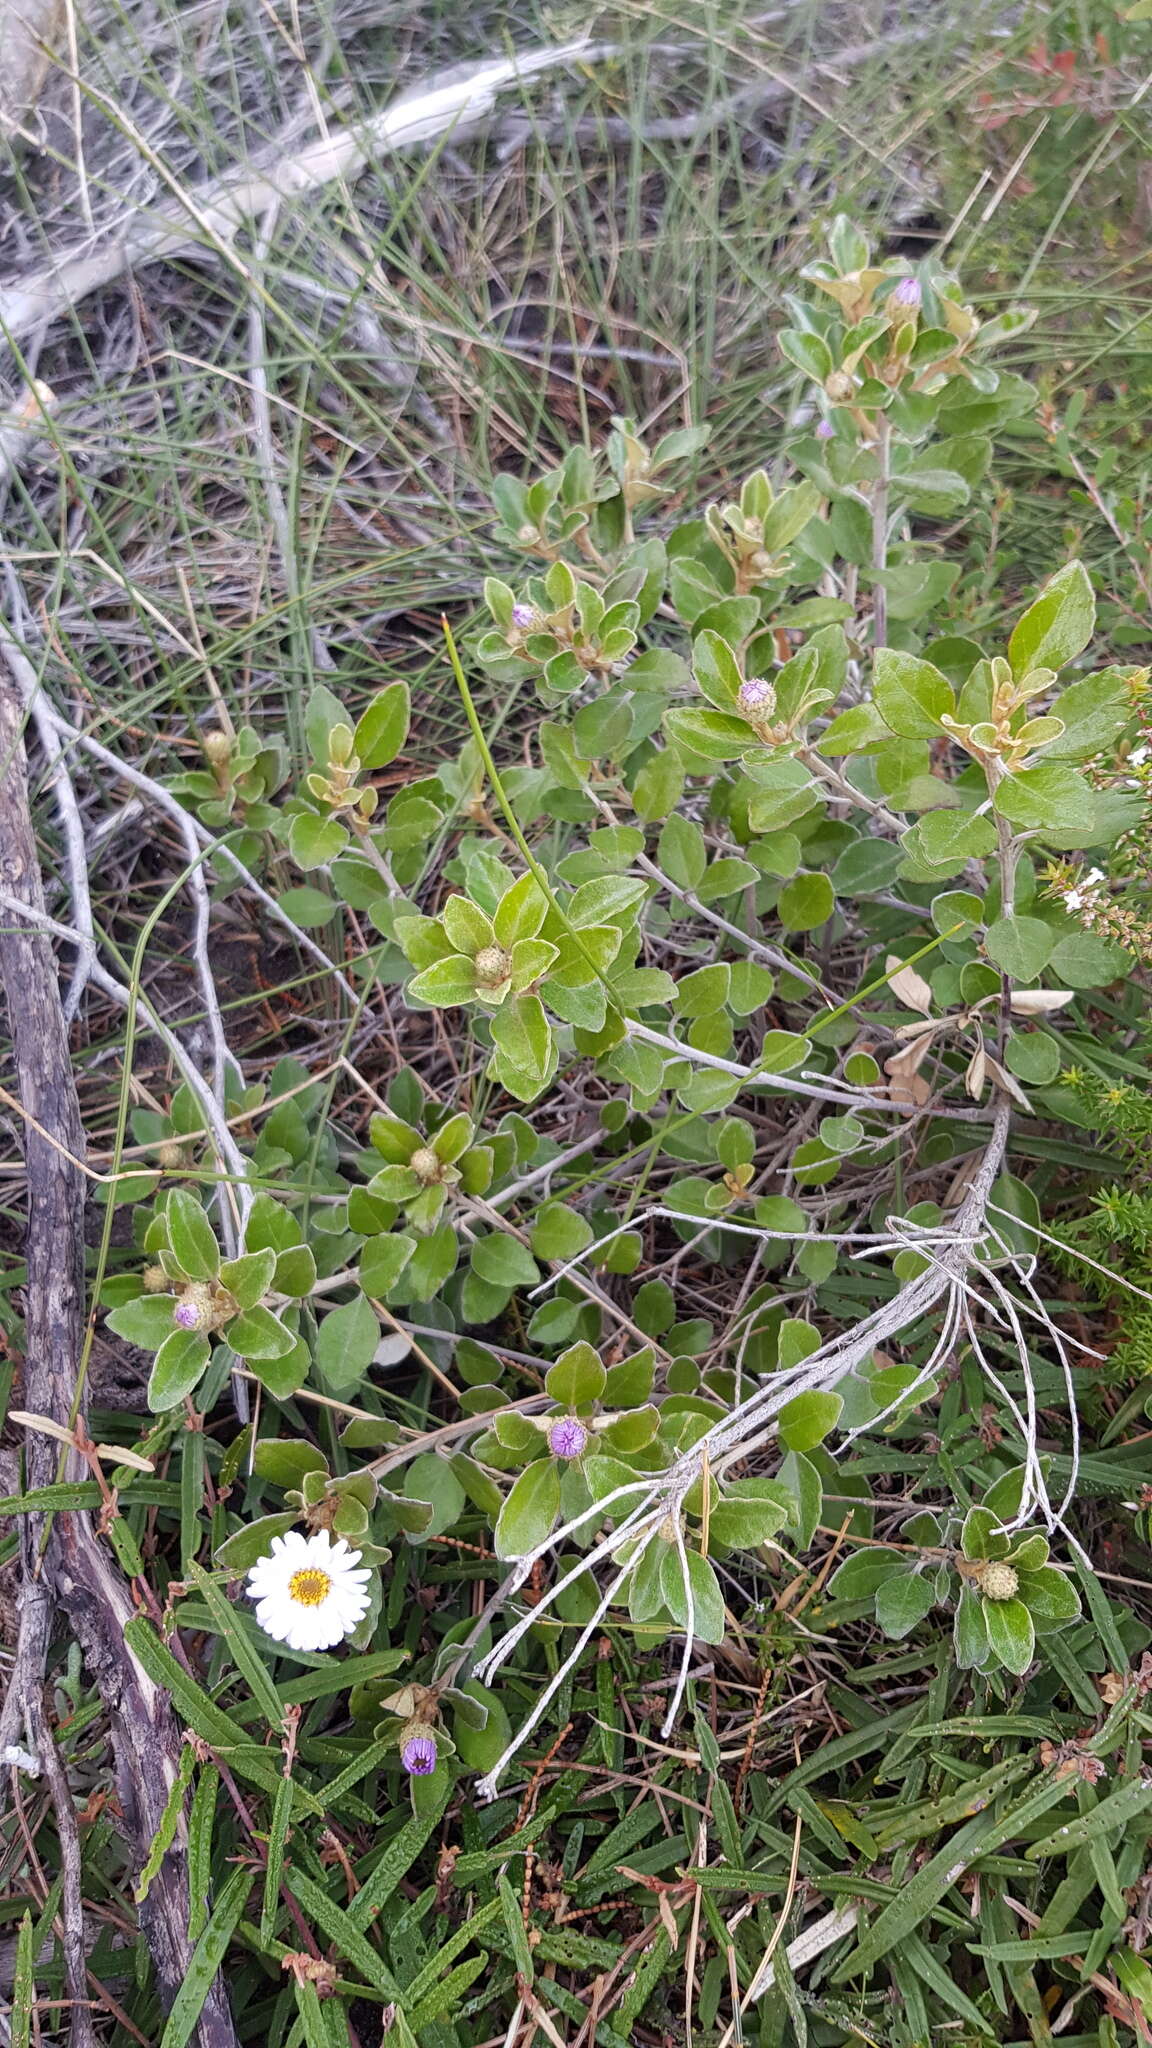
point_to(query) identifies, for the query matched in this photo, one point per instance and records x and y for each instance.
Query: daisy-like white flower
(1074, 899)
(307, 1592)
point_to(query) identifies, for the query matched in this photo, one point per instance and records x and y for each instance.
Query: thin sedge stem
(880, 531)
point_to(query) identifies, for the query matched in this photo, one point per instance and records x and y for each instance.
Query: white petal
(316, 1631)
(274, 1621)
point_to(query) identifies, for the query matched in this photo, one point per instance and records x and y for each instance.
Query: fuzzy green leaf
(248, 1278)
(191, 1236)
(529, 1513)
(699, 1604)
(147, 1321)
(259, 1334)
(1011, 1635)
(179, 1366)
(383, 729)
(1058, 626)
(910, 694)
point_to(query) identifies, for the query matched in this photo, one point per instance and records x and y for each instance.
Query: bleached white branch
(207, 219)
(752, 1422)
(149, 1019)
(221, 855)
(906, 1237)
(819, 1090)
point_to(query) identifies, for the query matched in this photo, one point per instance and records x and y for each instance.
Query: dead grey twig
(147, 1018)
(65, 1558)
(208, 219)
(221, 855)
(27, 30)
(67, 810)
(83, 2033)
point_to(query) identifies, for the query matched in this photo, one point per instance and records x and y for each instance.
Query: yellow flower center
(309, 1588)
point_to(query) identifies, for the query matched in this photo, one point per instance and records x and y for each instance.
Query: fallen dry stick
(208, 217)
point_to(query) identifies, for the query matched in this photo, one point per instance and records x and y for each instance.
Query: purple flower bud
(907, 295)
(756, 698)
(523, 616)
(824, 430)
(186, 1315)
(567, 1438)
(418, 1755)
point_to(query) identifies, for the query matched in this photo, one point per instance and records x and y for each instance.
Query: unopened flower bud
(156, 1280)
(998, 1582)
(839, 387)
(756, 698)
(567, 1438)
(216, 744)
(425, 1164)
(419, 1754)
(170, 1154)
(194, 1310)
(341, 741)
(492, 965)
(907, 295)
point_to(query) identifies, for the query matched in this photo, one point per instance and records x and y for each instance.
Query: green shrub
(804, 890)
